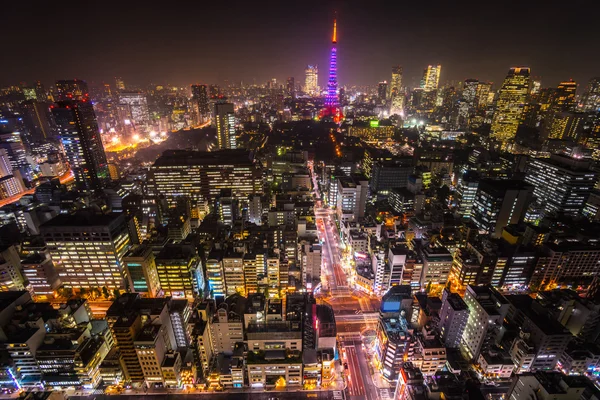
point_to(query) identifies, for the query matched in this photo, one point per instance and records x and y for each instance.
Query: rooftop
(201, 158)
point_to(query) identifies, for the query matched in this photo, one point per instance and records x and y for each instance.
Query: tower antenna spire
(334, 31)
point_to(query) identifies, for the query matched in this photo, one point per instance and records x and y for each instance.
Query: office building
(43, 279)
(453, 319)
(567, 263)
(290, 87)
(545, 336)
(233, 271)
(566, 126)
(352, 197)
(487, 310)
(74, 89)
(396, 95)
(437, 262)
(311, 82)
(202, 175)
(550, 386)
(511, 104)
(11, 277)
(562, 184)
(80, 137)
(465, 194)
(200, 103)
(591, 98)
(431, 78)
(393, 344)
(135, 105)
(225, 123)
(227, 324)
(179, 271)
(140, 269)
(387, 175)
(564, 97)
(382, 92)
(215, 274)
(88, 248)
(499, 203)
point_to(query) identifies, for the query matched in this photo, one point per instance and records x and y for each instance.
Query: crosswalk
(384, 394)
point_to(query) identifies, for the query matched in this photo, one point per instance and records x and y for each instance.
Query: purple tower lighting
(331, 100)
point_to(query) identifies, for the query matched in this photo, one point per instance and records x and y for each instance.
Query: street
(232, 395)
(355, 312)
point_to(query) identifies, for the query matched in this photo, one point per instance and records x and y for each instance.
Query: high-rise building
(484, 89)
(88, 248)
(511, 104)
(179, 271)
(564, 99)
(135, 105)
(465, 194)
(469, 92)
(499, 203)
(225, 122)
(352, 197)
(431, 78)
(202, 175)
(140, 268)
(74, 89)
(487, 310)
(78, 130)
(453, 319)
(119, 84)
(566, 125)
(290, 87)
(396, 95)
(200, 103)
(562, 184)
(311, 82)
(591, 97)
(382, 92)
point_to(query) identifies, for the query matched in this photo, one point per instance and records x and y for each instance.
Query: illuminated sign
(374, 123)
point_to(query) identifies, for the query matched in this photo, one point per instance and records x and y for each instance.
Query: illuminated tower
(510, 105)
(332, 97)
(332, 104)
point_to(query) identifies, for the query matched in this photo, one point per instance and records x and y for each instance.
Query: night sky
(213, 41)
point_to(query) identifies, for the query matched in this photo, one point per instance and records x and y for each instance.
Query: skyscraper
(74, 89)
(291, 87)
(562, 184)
(311, 82)
(431, 78)
(136, 105)
(382, 90)
(119, 84)
(511, 103)
(591, 98)
(200, 102)
(396, 95)
(470, 91)
(225, 121)
(565, 96)
(499, 203)
(78, 131)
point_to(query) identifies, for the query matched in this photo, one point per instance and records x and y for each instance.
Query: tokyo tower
(332, 105)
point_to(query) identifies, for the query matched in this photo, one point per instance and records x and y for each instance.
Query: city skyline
(276, 41)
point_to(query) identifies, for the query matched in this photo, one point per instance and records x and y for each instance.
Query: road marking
(384, 394)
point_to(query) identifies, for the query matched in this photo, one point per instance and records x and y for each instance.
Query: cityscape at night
(300, 200)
